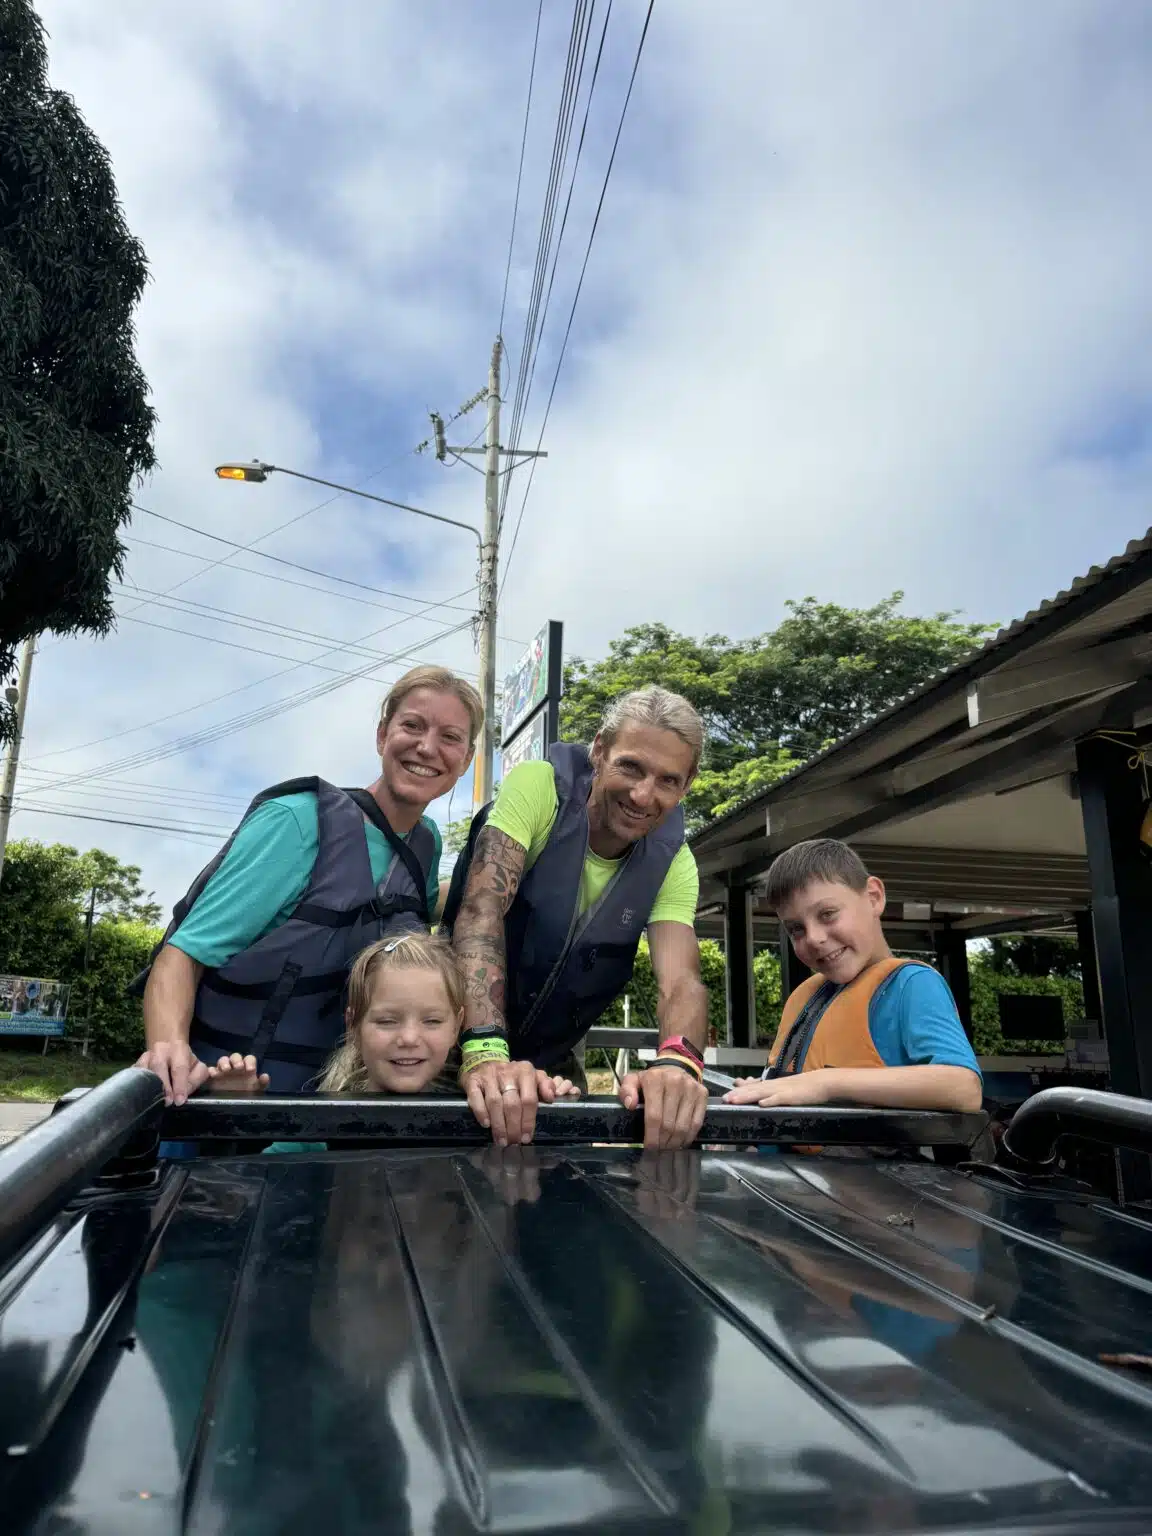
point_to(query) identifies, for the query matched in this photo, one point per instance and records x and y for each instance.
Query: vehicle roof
(577, 1340)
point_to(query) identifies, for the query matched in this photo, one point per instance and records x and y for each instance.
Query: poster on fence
(32, 1005)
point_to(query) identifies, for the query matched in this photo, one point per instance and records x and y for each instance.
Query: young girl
(405, 1008)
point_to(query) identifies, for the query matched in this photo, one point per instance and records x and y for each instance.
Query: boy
(865, 1028)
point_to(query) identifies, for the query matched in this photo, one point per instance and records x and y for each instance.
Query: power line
(182, 605)
(292, 564)
(556, 251)
(256, 683)
(569, 95)
(299, 518)
(238, 723)
(520, 167)
(174, 829)
(251, 650)
(579, 286)
(128, 796)
(305, 586)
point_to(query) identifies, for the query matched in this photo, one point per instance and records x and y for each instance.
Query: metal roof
(571, 1341)
(1121, 572)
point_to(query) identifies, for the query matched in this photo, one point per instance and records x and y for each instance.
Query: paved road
(18, 1117)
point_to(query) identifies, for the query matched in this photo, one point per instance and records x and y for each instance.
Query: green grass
(36, 1079)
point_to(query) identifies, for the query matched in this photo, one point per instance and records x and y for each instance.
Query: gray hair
(656, 707)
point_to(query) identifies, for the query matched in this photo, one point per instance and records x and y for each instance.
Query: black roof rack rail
(449, 1122)
(1088, 1114)
(41, 1171)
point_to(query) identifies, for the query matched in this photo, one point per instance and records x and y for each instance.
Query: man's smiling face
(643, 775)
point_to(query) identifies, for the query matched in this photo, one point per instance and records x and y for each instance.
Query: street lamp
(256, 472)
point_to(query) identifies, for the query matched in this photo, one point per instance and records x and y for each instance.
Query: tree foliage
(642, 992)
(43, 922)
(75, 423)
(989, 982)
(771, 702)
(1035, 954)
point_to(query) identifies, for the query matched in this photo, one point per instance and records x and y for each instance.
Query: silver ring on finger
(509, 1088)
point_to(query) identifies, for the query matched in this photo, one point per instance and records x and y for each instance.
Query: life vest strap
(278, 1050)
(261, 991)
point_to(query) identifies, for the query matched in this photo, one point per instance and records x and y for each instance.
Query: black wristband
(671, 1061)
(486, 1032)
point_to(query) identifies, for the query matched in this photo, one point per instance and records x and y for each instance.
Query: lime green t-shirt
(525, 810)
(266, 872)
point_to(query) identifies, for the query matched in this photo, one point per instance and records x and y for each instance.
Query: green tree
(43, 921)
(642, 991)
(99, 1002)
(455, 834)
(1035, 954)
(988, 983)
(75, 423)
(771, 702)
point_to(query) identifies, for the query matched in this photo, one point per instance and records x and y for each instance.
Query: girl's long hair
(345, 1072)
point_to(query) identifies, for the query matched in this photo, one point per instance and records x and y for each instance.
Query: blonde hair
(346, 1072)
(441, 680)
(657, 707)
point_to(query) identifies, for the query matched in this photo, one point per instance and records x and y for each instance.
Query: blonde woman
(257, 953)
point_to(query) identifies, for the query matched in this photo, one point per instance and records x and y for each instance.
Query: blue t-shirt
(913, 1022)
(266, 872)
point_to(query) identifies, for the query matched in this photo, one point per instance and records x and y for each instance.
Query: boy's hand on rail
(798, 1088)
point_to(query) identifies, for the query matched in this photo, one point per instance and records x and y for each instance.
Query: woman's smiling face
(425, 747)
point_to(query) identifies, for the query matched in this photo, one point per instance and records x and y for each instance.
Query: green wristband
(493, 1047)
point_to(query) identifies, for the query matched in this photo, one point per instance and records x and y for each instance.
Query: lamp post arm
(350, 490)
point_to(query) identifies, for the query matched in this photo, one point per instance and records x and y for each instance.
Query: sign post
(530, 717)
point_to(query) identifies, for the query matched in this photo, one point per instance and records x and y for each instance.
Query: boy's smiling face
(834, 929)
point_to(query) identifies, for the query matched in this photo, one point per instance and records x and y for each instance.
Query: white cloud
(869, 291)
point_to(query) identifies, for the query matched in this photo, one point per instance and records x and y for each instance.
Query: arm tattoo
(493, 880)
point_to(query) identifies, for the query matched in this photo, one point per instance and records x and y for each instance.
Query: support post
(952, 960)
(1089, 968)
(12, 762)
(489, 563)
(1112, 804)
(739, 978)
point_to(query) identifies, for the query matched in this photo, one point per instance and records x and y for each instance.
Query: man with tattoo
(576, 857)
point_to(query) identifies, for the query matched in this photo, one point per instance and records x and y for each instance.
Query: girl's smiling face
(408, 1029)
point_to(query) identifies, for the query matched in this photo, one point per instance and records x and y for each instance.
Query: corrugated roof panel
(582, 1341)
(1129, 608)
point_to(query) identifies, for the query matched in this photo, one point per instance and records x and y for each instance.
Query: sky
(867, 308)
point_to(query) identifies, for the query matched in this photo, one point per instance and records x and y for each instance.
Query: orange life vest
(842, 1037)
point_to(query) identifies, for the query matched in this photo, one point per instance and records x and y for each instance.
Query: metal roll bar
(449, 1122)
(1090, 1114)
(41, 1171)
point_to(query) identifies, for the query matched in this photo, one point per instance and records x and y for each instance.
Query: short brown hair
(345, 1072)
(821, 859)
(441, 680)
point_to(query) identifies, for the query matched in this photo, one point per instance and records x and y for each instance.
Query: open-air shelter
(1006, 795)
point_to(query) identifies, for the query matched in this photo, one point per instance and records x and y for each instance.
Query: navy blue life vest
(280, 999)
(563, 969)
